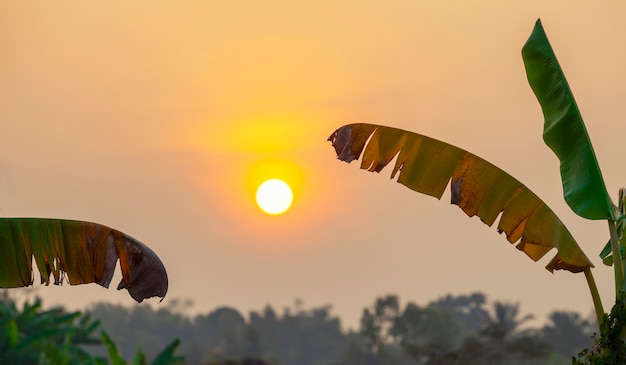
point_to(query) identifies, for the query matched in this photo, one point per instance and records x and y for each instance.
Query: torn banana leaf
(79, 252)
(428, 166)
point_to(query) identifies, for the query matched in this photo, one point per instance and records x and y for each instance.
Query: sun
(274, 197)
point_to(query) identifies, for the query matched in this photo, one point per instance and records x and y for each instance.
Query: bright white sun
(274, 197)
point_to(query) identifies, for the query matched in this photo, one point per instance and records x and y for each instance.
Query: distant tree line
(463, 329)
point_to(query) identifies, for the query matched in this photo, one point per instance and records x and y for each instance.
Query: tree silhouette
(568, 333)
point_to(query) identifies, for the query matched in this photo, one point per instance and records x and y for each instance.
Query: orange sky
(161, 119)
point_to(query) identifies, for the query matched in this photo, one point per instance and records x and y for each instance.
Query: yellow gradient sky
(160, 119)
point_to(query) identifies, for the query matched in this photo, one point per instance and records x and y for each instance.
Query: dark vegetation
(464, 329)
(31, 335)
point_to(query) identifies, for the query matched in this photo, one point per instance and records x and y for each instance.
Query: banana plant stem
(624, 281)
(595, 296)
(617, 257)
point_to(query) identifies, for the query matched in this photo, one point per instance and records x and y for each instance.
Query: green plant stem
(623, 281)
(617, 258)
(597, 303)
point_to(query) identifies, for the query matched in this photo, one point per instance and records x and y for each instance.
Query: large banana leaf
(564, 130)
(479, 188)
(82, 252)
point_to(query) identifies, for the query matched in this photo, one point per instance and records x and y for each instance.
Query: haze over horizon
(160, 120)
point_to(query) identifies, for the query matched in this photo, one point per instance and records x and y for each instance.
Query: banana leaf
(428, 166)
(564, 131)
(607, 251)
(79, 252)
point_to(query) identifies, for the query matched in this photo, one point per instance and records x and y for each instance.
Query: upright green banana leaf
(564, 131)
(82, 252)
(479, 188)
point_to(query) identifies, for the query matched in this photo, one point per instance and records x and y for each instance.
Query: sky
(160, 119)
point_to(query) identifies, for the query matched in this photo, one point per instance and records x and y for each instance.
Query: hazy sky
(161, 118)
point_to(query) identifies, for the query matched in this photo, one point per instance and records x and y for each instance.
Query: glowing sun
(274, 197)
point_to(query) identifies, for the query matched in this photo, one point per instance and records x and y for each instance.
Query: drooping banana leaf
(564, 131)
(427, 165)
(80, 252)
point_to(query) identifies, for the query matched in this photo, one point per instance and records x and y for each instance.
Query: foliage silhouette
(299, 336)
(31, 335)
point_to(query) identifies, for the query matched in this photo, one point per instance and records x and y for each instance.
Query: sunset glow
(200, 128)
